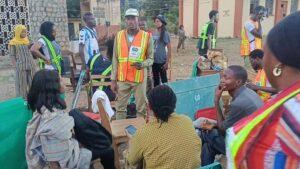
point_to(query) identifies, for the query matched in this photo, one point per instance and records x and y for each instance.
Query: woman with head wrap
(47, 49)
(22, 59)
(270, 137)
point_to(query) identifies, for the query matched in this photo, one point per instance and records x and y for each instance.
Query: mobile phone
(130, 129)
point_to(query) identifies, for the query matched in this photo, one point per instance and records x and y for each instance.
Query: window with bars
(253, 5)
(294, 5)
(269, 7)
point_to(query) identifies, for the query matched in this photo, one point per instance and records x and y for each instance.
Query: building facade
(32, 13)
(106, 11)
(232, 14)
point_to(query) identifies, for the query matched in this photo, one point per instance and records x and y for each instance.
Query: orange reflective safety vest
(127, 55)
(245, 44)
(261, 80)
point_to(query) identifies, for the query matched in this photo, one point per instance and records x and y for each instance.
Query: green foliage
(172, 19)
(150, 8)
(169, 8)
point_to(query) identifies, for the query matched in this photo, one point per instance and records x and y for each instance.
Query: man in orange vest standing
(252, 35)
(133, 54)
(261, 84)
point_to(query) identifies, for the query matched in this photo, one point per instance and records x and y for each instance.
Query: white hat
(132, 12)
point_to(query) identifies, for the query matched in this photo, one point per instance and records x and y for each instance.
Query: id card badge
(135, 52)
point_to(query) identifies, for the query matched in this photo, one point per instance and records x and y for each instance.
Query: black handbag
(91, 134)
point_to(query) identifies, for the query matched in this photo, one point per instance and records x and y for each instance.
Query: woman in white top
(47, 49)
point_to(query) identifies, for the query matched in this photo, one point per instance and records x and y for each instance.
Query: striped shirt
(22, 56)
(278, 146)
(274, 143)
(25, 68)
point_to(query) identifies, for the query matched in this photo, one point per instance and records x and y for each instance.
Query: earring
(277, 71)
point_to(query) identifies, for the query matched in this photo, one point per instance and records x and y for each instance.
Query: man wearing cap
(133, 54)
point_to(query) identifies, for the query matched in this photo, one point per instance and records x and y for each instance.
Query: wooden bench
(96, 81)
(117, 129)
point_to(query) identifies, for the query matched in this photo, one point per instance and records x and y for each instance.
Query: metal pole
(78, 89)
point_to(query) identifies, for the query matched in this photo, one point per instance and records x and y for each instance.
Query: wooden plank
(100, 84)
(210, 72)
(118, 126)
(93, 77)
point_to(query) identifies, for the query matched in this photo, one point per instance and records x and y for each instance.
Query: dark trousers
(159, 74)
(108, 160)
(213, 143)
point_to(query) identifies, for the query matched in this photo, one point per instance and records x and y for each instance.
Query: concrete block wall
(49, 10)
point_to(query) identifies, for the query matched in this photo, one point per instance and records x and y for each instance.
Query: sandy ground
(181, 66)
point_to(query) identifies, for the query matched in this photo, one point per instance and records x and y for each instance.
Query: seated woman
(49, 132)
(170, 140)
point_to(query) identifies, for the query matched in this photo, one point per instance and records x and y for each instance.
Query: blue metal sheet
(195, 93)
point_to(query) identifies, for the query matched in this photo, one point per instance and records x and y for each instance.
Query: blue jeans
(213, 143)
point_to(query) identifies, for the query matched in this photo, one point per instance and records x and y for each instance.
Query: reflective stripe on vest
(236, 140)
(261, 80)
(126, 72)
(204, 36)
(245, 45)
(104, 73)
(93, 62)
(54, 57)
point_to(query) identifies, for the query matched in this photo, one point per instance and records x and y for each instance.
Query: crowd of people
(260, 128)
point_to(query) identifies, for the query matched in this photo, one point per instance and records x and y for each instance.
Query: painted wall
(289, 7)
(226, 21)
(188, 11)
(268, 22)
(246, 10)
(226, 13)
(205, 6)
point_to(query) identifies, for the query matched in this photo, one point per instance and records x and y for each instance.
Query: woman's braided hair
(162, 101)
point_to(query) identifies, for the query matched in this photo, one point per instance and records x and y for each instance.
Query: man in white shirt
(88, 40)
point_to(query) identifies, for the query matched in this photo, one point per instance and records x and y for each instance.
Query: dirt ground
(181, 67)
(183, 60)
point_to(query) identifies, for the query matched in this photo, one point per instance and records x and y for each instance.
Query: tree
(150, 8)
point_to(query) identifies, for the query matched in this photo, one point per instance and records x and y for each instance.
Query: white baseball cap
(132, 12)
